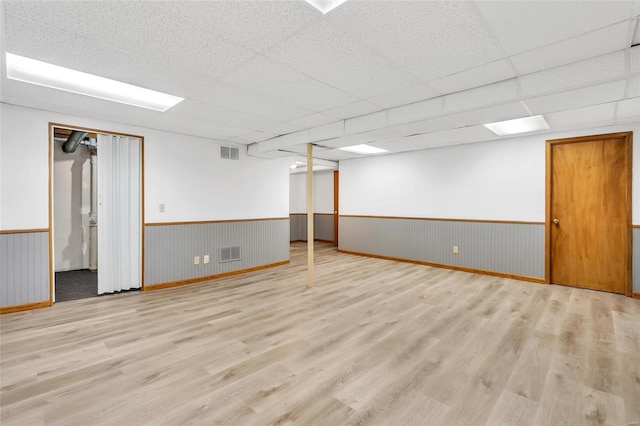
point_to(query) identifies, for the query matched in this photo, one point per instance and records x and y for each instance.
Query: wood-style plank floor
(374, 342)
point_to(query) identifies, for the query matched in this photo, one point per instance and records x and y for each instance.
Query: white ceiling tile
(503, 91)
(353, 110)
(634, 59)
(430, 38)
(404, 96)
(273, 154)
(269, 145)
(629, 108)
(397, 145)
(296, 138)
(363, 123)
(633, 87)
(30, 38)
(491, 114)
(313, 120)
(427, 126)
(452, 137)
(68, 50)
(577, 98)
(292, 142)
(239, 99)
(220, 115)
(302, 149)
(589, 71)
(336, 155)
(254, 24)
(280, 82)
(636, 34)
(324, 52)
(347, 140)
(381, 134)
(282, 129)
(238, 141)
(145, 29)
(596, 43)
(185, 122)
(522, 26)
(479, 76)
(593, 115)
(415, 112)
(327, 131)
(257, 136)
(66, 13)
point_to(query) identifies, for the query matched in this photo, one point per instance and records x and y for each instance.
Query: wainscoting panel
(509, 248)
(322, 226)
(24, 268)
(636, 260)
(298, 227)
(170, 249)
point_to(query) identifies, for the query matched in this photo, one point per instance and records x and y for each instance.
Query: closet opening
(96, 224)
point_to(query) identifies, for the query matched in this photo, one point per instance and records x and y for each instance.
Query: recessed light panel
(48, 75)
(519, 125)
(325, 6)
(364, 149)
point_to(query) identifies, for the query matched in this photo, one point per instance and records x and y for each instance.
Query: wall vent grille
(229, 153)
(229, 254)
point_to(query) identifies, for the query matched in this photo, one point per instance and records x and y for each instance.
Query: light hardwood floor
(374, 342)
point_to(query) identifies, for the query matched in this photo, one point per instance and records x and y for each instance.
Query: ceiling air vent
(229, 254)
(229, 153)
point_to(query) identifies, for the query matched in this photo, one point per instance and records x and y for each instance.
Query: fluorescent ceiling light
(325, 6)
(519, 125)
(364, 149)
(48, 75)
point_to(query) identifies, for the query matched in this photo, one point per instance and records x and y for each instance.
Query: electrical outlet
(196, 260)
(162, 208)
(205, 258)
(455, 249)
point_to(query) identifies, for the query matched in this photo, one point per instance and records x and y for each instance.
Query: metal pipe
(93, 212)
(73, 141)
(310, 236)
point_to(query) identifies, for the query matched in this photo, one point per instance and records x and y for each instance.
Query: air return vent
(229, 153)
(228, 254)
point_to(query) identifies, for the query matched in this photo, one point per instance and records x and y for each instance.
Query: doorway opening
(96, 213)
(74, 214)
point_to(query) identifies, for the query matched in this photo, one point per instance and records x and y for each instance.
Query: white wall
(183, 172)
(298, 193)
(497, 180)
(24, 169)
(72, 203)
(187, 175)
(322, 192)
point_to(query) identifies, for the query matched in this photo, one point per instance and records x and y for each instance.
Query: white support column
(310, 237)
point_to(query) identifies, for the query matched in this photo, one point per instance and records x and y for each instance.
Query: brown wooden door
(589, 212)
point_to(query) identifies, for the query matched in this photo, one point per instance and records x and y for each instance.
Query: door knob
(556, 221)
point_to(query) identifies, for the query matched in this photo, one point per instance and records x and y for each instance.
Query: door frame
(52, 126)
(550, 143)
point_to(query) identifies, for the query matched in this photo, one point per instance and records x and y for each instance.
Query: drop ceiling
(399, 75)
